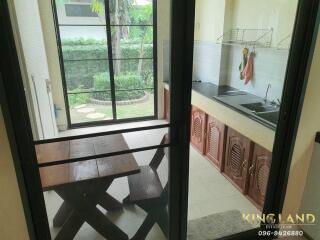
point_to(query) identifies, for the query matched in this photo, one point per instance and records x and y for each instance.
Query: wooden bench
(149, 193)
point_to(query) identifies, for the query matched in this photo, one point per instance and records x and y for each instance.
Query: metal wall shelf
(284, 44)
(247, 37)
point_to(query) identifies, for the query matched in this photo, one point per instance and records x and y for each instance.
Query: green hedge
(127, 81)
(102, 82)
(77, 99)
(79, 74)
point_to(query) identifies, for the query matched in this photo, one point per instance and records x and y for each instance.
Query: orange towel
(248, 70)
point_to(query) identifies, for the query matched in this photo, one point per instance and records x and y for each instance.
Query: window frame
(110, 60)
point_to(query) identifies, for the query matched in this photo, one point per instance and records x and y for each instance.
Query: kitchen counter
(218, 93)
(227, 109)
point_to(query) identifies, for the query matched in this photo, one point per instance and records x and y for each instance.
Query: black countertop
(217, 93)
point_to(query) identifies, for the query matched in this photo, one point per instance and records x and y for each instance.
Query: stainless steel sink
(232, 93)
(260, 107)
(269, 116)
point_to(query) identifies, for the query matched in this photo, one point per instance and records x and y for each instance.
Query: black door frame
(110, 59)
(17, 122)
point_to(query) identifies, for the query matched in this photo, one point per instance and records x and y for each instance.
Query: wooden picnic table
(83, 185)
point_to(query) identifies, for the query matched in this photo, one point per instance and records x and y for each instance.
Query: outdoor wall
(12, 221)
(304, 145)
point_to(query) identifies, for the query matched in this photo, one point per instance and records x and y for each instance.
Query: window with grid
(107, 61)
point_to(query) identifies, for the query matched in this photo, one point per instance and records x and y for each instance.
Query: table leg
(62, 214)
(91, 214)
(70, 227)
(162, 219)
(109, 203)
(105, 200)
(156, 213)
(144, 229)
(126, 200)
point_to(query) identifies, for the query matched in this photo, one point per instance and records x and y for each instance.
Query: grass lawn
(92, 112)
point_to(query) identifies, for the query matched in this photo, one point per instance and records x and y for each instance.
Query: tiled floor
(209, 191)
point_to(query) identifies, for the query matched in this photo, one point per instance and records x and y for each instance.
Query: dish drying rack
(284, 44)
(247, 37)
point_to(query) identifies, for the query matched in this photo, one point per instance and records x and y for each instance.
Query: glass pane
(135, 103)
(80, 12)
(131, 12)
(138, 76)
(132, 74)
(90, 107)
(92, 38)
(132, 42)
(86, 75)
(239, 66)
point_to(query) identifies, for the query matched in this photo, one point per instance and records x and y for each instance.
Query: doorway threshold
(111, 127)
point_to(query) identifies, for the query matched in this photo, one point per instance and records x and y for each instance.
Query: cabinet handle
(244, 163)
(251, 170)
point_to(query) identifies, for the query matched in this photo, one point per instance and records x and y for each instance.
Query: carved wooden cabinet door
(238, 154)
(259, 174)
(167, 104)
(215, 136)
(198, 128)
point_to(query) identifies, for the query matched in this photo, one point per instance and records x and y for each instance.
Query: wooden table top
(108, 167)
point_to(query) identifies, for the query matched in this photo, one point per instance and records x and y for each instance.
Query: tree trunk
(140, 65)
(141, 55)
(116, 37)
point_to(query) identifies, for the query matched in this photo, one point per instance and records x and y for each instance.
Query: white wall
(311, 195)
(48, 29)
(33, 62)
(304, 145)
(209, 20)
(12, 220)
(269, 68)
(276, 14)
(209, 24)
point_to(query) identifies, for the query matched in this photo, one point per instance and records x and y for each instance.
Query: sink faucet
(266, 96)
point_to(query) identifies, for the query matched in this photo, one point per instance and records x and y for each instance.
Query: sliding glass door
(107, 59)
